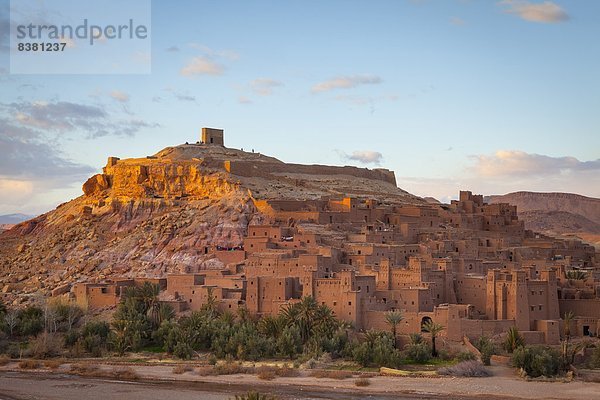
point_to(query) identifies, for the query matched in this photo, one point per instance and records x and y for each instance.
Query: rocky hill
(557, 214)
(158, 214)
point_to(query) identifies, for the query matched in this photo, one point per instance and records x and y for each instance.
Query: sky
(487, 96)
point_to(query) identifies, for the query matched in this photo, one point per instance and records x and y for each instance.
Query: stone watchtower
(213, 136)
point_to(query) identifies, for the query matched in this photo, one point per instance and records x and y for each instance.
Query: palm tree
(567, 358)
(434, 329)
(567, 319)
(165, 313)
(210, 307)
(513, 340)
(271, 326)
(393, 318)
(415, 338)
(306, 316)
(576, 274)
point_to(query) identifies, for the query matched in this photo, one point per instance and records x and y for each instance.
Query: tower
(212, 136)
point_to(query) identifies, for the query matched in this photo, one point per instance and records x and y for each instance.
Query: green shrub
(537, 360)
(419, 353)
(487, 349)
(465, 356)
(595, 359)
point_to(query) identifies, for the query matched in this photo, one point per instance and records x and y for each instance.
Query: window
(349, 303)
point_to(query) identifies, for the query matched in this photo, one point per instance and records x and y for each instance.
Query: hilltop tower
(213, 136)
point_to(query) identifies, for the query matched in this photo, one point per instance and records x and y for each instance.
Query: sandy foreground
(159, 382)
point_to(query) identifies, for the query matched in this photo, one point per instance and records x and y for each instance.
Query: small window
(349, 303)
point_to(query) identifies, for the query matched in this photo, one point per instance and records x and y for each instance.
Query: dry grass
(4, 359)
(182, 368)
(126, 373)
(266, 373)
(466, 369)
(287, 372)
(29, 364)
(205, 370)
(323, 373)
(53, 364)
(362, 382)
(231, 368)
(85, 369)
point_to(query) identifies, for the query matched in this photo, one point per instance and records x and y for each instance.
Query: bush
(362, 382)
(205, 371)
(46, 345)
(230, 368)
(4, 360)
(595, 359)
(466, 369)
(287, 372)
(31, 321)
(183, 350)
(53, 364)
(254, 396)
(29, 364)
(181, 368)
(419, 353)
(537, 360)
(335, 374)
(266, 373)
(465, 356)
(126, 373)
(84, 369)
(487, 348)
(378, 349)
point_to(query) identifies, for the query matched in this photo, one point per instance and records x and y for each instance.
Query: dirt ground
(159, 382)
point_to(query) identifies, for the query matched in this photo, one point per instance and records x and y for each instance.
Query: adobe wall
(230, 256)
(580, 307)
(474, 328)
(264, 169)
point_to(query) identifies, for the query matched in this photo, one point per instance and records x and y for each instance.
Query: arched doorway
(424, 321)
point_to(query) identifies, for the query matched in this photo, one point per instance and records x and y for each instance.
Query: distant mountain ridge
(556, 213)
(11, 219)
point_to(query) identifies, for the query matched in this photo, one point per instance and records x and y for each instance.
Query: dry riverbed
(160, 382)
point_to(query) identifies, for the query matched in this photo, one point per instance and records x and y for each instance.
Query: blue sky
(489, 96)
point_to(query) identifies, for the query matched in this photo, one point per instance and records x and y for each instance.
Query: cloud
(457, 21)
(363, 156)
(264, 86)
(511, 163)
(63, 117)
(244, 100)
(119, 96)
(202, 66)
(346, 82)
(546, 12)
(363, 100)
(59, 116)
(178, 95)
(226, 54)
(509, 171)
(172, 49)
(27, 154)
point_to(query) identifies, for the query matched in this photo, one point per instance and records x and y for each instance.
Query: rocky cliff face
(157, 215)
(557, 214)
